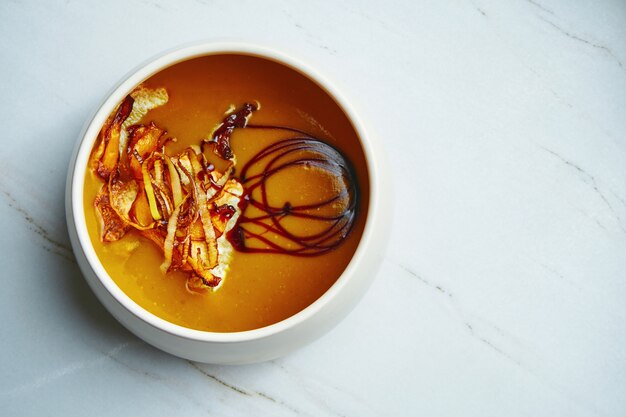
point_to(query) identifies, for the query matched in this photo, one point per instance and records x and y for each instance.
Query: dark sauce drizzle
(221, 136)
(300, 150)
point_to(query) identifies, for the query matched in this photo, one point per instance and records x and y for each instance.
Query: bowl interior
(139, 75)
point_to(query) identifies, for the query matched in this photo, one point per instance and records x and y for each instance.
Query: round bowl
(247, 346)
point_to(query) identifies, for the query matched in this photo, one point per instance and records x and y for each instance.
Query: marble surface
(503, 292)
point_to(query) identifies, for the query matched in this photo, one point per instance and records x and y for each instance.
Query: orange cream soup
(259, 289)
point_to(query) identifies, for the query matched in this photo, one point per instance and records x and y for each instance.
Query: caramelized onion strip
(177, 193)
(111, 139)
(168, 245)
(205, 215)
(147, 183)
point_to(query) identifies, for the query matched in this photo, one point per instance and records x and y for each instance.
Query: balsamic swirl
(302, 150)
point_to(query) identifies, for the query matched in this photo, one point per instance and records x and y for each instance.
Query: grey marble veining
(503, 290)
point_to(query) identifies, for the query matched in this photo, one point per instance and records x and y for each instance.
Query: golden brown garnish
(112, 226)
(143, 141)
(108, 151)
(179, 202)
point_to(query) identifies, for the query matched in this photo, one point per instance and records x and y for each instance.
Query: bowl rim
(139, 74)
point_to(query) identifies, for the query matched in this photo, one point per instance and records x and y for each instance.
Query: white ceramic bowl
(237, 347)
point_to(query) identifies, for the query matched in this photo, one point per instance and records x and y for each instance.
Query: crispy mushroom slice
(112, 226)
(125, 199)
(144, 140)
(115, 132)
(140, 211)
(108, 153)
(146, 99)
(198, 284)
(122, 195)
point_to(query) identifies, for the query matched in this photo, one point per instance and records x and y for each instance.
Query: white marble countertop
(504, 289)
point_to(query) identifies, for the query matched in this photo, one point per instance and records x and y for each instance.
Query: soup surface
(259, 288)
